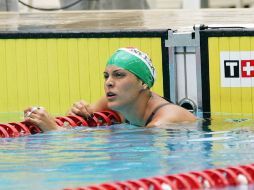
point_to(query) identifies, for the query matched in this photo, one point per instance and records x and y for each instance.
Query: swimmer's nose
(109, 83)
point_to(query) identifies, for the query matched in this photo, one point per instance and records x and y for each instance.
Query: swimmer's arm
(100, 105)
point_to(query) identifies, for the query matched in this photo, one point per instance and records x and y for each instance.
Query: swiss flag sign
(247, 68)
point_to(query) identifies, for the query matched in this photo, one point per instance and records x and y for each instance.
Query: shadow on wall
(105, 4)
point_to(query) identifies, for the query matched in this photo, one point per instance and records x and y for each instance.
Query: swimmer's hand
(39, 116)
(81, 108)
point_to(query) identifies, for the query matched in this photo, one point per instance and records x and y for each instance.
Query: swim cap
(136, 62)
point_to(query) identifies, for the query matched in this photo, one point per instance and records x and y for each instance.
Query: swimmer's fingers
(86, 107)
(81, 108)
(30, 110)
(32, 119)
(82, 112)
(42, 119)
(36, 113)
(27, 111)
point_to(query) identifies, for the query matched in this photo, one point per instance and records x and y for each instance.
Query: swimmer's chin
(114, 106)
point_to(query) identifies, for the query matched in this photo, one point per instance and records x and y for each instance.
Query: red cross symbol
(247, 68)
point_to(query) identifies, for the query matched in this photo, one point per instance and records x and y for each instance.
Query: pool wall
(56, 69)
(227, 56)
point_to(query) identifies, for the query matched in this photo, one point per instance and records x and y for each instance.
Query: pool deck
(97, 21)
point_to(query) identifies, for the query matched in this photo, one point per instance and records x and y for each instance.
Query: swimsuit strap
(154, 112)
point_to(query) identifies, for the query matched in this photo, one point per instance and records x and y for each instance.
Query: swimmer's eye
(119, 74)
(116, 74)
(105, 75)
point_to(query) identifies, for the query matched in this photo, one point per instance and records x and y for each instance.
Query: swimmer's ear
(145, 86)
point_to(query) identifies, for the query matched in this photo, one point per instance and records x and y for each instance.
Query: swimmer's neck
(136, 112)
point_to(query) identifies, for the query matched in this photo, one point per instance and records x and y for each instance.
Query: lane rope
(17, 129)
(240, 176)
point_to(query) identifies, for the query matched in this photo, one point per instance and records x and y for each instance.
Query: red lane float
(242, 175)
(17, 129)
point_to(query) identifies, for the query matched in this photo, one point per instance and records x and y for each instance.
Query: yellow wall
(54, 73)
(231, 100)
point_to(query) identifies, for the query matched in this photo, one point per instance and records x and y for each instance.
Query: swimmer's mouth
(110, 95)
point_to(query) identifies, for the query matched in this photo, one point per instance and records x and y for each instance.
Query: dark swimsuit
(150, 118)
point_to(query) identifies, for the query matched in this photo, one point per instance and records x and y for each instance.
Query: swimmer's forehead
(114, 68)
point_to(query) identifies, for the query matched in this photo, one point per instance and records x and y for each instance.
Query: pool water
(87, 156)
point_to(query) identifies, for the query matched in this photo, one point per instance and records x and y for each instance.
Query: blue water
(86, 156)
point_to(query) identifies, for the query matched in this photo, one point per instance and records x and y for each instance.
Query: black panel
(84, 34)
(165, 67)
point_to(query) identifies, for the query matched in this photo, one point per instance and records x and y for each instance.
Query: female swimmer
(129, 76)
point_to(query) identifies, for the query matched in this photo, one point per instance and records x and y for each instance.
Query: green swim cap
(136, 62)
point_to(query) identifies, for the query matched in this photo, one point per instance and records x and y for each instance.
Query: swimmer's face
(122, 87)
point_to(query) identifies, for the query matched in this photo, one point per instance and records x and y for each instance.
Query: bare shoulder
(177, 113)
(172, 113)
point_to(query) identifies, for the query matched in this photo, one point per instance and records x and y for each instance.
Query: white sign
(237, 68)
